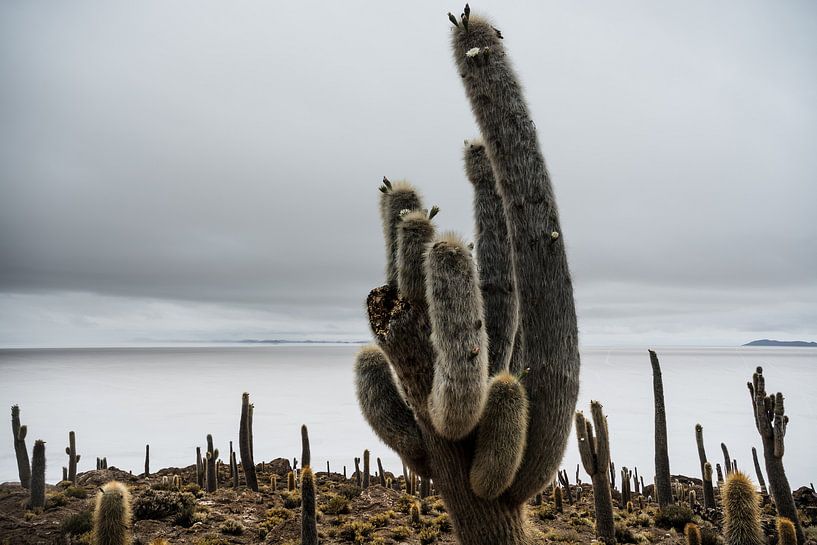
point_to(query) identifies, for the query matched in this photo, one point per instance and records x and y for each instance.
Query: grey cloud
(209, 154)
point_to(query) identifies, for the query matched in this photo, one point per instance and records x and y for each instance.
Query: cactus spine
(73, 457)
(37, 481)
(663, 484)
(18, 433)
(211, 456)
(709, 492)
(508, 309)
(595, 455)
(741, 511)
(245, 443)
(112, 515)
(771, 421)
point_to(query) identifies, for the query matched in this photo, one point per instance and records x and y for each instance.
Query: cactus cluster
(771, 421)
(594, 449)
(18, 434)
(474, 378)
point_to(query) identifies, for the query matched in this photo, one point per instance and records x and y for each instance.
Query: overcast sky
(209, 170)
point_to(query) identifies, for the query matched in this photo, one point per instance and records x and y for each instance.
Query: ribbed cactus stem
(494, 258)
(309, 525)
(210, 461)
(245, 443)
(741, 511)
(73, 457)
(18, 434)
(199, 468)
(663, 484)
(306, 454)
(727, 461)
(37, 481)
(112, 515)
(397, 198)
(761, 481)
(771, 421)
(366, 469)
(595, 456)
(709, 490)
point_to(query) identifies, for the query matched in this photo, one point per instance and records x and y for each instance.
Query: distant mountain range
(769, 342)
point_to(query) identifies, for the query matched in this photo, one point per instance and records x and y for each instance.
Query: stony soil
(347, 515)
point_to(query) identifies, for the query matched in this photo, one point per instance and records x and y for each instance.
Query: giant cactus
(475, 374)
(771, 422)
(18, 433)
(595, 454)
(709, 492)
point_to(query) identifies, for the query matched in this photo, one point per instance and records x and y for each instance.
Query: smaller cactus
(414, 513)
(273, 481)
(359, 475)
(73, 457)
(64, 474)
(291, 481)
(692, 534)
(199, 468)
(786, 532)
(630, 507)
(741, 511)
(147, 460)
(211, 457)
(306, 456)
(37, 487)
(309, 525)
(557, 499)
(366, 469)
(234, 469)
(19, 432)
(112, 515)
(380, 472)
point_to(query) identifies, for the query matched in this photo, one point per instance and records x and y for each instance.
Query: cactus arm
(547, 316)
(780, 420)
(494, 258)
(455, 310)
(602, 441)
(414, 234)
(386, 411)
(394, 199)
(501, 437)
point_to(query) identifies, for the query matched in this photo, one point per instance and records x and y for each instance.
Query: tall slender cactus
(759, 473)
(306, 454)
(475, 376)
(18, 434)
(727, 460)
(771, 422)
(245, 443)
(366, 469)
(309, 525)
(709, 492)
(147, 460)
(595, 456)
(663, 485)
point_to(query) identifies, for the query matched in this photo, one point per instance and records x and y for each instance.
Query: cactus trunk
(245, 444)
(663, 485)
(37, 488)
(309, 525)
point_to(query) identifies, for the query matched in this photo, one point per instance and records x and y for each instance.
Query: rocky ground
(346, 514)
